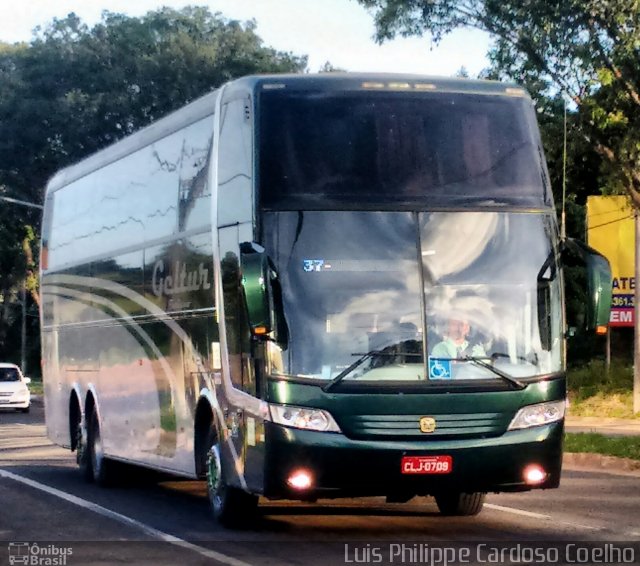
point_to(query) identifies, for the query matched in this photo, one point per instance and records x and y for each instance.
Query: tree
(77, 89)
(328, 67)
(587, 49)
(74, 89)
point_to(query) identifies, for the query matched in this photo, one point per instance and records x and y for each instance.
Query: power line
(22, 202)
(611, 222)
(603, 212)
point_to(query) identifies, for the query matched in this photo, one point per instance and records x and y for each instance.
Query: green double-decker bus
(316, 286)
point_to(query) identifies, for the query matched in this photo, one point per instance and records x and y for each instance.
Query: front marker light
(303, 418)
(536, 415)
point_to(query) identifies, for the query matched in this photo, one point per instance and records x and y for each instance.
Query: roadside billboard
(610, 229)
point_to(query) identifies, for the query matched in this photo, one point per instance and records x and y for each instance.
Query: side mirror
(26, 380)
(255, 282)
(600, 290)
(599, 283)
(263, 295)
(547, 273)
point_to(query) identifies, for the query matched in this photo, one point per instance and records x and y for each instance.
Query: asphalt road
(154, 521)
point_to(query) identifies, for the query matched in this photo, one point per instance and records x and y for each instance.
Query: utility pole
(636, 319)
(23, 332)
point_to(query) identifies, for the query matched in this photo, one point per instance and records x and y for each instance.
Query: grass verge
(36, 386)
(594, 392)
(620, 446)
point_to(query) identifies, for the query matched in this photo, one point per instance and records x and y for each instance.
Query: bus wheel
(82, 453)
(231, 506)
(102, 470)
(460, 504)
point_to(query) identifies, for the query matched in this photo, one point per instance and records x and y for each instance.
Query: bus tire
(82, 453)
(102, 470)
(231, 507)
(460, 504)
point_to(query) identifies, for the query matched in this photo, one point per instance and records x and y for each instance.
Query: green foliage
(73, 90)
(79, 89)
(36, 387)
(586, 49)
(328, 67)
(592, 378)
(583, 163)
(594, 392)
(620, 446)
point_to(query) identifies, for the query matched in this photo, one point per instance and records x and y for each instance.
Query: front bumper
(15, 402)
(342, 467)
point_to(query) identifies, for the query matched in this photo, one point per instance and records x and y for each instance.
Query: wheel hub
(214, 471)
(96, 451)
(81, 444)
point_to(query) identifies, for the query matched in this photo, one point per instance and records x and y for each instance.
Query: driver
(455, 344)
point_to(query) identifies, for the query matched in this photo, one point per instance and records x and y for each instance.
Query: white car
(14, 393)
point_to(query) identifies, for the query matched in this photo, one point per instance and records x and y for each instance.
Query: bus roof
(379, 81)
(204, 106)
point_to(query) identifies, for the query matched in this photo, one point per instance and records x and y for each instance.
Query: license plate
(426, 464)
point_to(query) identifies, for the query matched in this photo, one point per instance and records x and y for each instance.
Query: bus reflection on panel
(312, 287)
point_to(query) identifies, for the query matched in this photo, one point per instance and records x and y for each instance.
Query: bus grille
(451, 426)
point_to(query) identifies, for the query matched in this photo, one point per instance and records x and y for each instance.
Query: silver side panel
(128, 298)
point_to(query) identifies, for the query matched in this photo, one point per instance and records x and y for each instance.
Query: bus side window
(238, 334)
(248, 369)
(235, 214)
(235, 163)
(232, 306)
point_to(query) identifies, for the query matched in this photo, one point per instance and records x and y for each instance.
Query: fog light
(534, 474)
(300, 479)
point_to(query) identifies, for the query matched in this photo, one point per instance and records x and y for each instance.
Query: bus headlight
(304, 418)
(536, 415)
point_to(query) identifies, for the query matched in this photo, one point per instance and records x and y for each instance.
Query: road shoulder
(601, 463)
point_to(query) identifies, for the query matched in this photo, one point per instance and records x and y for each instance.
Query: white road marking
(223, 558)
(148, 530)
(515, 511)
(533, 515)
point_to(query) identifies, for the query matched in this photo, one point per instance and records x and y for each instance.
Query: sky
(338, 31)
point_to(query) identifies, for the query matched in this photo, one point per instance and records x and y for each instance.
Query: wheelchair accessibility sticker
(439, 368)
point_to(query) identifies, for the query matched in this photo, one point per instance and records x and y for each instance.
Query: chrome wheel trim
(97, 451)
(214, 477)
(81, 444)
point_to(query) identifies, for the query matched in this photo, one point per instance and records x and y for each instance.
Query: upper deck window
(424, 149)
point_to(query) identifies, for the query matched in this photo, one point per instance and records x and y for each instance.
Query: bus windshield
(471, 289)
(325, 149)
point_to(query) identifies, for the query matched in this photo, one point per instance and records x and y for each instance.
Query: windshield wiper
(363, 357)
(533, 360)
(506, 377)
